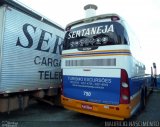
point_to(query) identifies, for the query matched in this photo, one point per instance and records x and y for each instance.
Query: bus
(102, 72)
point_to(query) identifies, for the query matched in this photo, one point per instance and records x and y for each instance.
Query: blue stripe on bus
(136, 84)
(93, 89)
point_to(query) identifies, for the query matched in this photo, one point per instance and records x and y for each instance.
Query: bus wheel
(143, 99)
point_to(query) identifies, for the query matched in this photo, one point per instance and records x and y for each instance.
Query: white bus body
(101, 73)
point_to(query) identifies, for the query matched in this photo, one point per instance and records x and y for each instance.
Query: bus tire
(143, 99)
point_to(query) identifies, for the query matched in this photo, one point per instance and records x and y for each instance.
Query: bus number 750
(86, 93)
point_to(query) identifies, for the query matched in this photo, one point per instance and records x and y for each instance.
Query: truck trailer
(30, 55)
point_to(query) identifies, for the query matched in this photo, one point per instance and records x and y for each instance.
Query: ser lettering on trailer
(45, 38)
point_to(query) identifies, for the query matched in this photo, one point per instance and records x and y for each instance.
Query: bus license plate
(88, 107)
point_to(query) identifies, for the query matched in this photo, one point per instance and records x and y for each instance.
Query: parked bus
(102, 72)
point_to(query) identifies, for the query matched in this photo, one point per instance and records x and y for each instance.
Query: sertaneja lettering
(91, 31)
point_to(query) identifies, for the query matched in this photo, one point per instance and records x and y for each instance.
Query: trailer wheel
(143, 99)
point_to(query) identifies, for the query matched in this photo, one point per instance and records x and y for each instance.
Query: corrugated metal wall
(1, 37)
(18, 68)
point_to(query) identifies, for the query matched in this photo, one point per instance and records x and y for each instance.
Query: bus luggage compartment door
(92, 85)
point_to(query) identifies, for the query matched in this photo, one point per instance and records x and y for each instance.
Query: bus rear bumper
(116, 112)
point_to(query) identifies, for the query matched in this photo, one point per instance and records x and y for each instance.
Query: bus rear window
(95, 35)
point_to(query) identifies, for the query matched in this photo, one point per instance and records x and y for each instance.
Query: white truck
(30, 55)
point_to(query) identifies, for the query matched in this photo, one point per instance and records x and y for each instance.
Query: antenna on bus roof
(90, 10)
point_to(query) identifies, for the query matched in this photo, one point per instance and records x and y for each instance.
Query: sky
(143, 16)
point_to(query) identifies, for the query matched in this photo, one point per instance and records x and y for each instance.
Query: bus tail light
(124, 88)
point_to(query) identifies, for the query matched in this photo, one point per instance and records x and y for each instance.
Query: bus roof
(98, 17)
